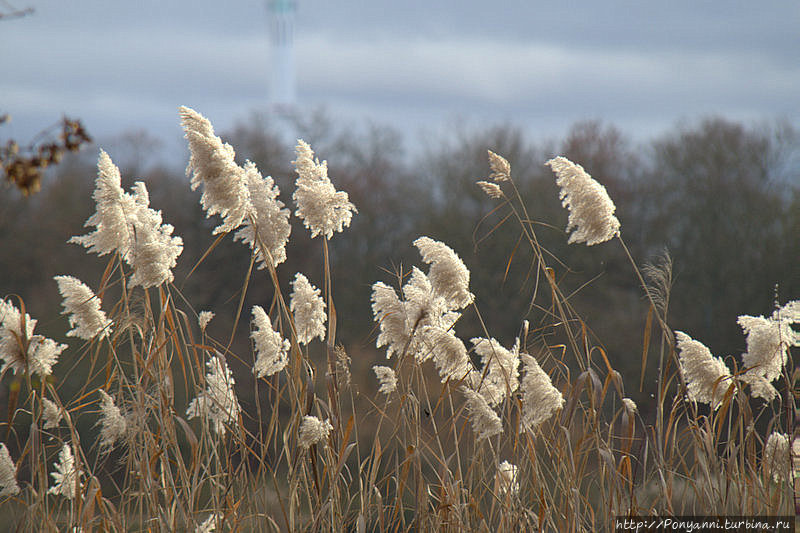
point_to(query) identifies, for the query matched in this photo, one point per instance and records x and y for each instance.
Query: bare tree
(714, 198)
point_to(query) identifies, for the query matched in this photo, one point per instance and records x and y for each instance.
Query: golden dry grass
(407, 461)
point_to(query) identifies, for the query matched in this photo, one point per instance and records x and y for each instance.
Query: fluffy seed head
(15, 330)
(768, 343)
(209, 525)
(401, 321)
(506, 479)
(126, 223)
(630, 405)
(271, 349)
(501, 170)
(448, 352)
(707, 377)
(425, 307)
(267, 226)
(12, 324)
(789, 313)
(492, 190)
(212, 165)
(52, 414)
(500, 374)
(759, 386)
(313, 431)
(112, 423)
(203, 318)
(86, 318)
(8, 473)
(776, 457)
(540, 399)
(322, 208)
(485, 422)
(114, 212)
(308, 309)
(448, 275)
(390, 314)
(66, 478)
(217, 402)
(155, 251)
(386, 377)
(591, 211)
(43, 354)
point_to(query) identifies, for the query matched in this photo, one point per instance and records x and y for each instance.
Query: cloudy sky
(415, 64)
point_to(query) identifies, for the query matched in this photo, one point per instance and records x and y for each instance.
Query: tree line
(722, 197)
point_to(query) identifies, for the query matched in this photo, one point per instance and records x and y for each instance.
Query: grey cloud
(684, 24)
(413, 63)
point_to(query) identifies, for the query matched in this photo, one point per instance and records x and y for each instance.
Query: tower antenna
(282, 84)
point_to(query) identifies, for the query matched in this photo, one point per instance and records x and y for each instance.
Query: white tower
(282, 84)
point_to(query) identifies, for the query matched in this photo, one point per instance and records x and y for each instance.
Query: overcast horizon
(417, 67)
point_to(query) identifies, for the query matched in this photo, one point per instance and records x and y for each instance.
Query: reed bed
(452, 434)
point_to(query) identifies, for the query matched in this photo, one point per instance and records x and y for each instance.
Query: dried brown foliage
(24, 166)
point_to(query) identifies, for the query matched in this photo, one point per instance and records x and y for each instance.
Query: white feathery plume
(212, 165)
(402, 321)
(313, 431)
(386, 377)
(591, 211)
(209, 525)
(768, 343)
(203, 319)
(308, 310)
(8, 473)
(271, 349)
(42, 353)
(759, 386)
(428, 300)
(492, 190)
(448, 275)
(506, 479)
(449, 354)
(390, 314)
(52, 414)
(707, 377)
(540, 399)
(322, 208)
(630, 405)
(113, 215)
(155, 251)
(149, 266)
(66, 478)
(86, 318)
(11, 319)
(126, 223)
(789, 312)
(776, 460)
(485, 422)
(112, 423)
(500, 374)
(217, 403)
(501, 170)
(424, 305)
(341, 370)
(12, 336)
(267, 225)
